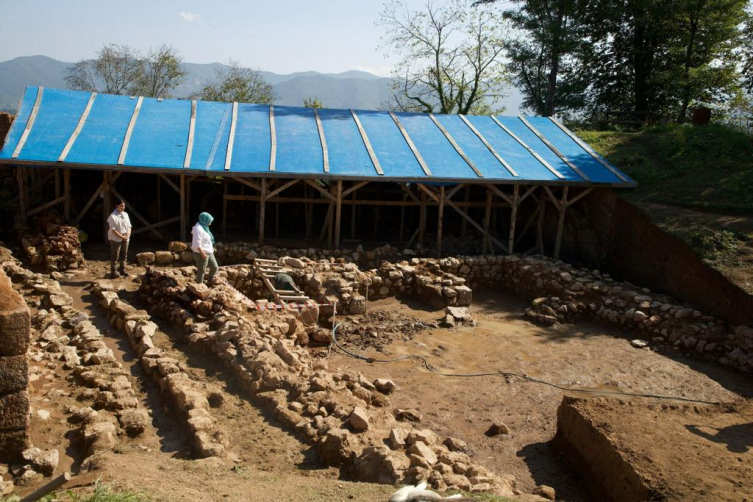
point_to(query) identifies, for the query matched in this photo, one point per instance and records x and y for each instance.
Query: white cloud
(189, 16)
(381, 71)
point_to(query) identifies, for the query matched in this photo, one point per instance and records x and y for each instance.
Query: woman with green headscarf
(202, 246)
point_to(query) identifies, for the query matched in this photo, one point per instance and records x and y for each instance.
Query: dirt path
(586, 355)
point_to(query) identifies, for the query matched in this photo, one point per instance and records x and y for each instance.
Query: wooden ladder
(266, 270)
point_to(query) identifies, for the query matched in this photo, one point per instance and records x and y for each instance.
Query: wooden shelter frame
(335, 193)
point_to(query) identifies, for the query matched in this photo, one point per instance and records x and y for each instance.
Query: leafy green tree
(312, 102)
(161, 72)
(540, 52)
(747, 51)
(237, 83)
(451, 57)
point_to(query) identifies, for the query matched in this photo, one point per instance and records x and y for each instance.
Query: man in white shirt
(119, 235)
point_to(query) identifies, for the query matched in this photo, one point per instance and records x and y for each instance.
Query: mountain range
(350, 89)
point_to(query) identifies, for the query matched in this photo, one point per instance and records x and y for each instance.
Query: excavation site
(297, 304)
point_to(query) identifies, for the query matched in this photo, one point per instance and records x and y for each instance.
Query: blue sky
(282, 36)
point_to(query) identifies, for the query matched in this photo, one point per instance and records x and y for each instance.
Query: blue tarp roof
(62, 128)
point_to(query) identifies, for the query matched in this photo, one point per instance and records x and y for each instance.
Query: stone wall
(605, 231)
(345, 417)
(15, 336)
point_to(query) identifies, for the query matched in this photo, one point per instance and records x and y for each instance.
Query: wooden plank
(560, 223)
(579, 196)
(231, 137)
(412, 147)
(367, 143)
(502, 194)
(272, 138)
(183, 208)
(45, 206)
(217, 138)
(322, 140)
(554, 149)
(129, 131)
(156, 225)
(169, 182)
(248, 183)
(327, 219)
(455, 145)
(224, 207)
(106, 205)
(338, 212)
(477, 226)
(527, 193)
(90, 202)
(191, 132)
(489, 146)
(455, 190)
(262, 210)
(282, 188)
(552, 198)
(590, 151)
(67, 194)
(20, 177)
(513, 218)
(320, 189)
(528, 224)
(440, 220)
(429, 192)
(79, 127)
(354, 188)
(530, 150)
(422, 220)
(29, 124)
(540, 225)
(487, 219)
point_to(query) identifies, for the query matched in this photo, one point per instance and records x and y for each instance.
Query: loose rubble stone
(359, 419)
(498, 428)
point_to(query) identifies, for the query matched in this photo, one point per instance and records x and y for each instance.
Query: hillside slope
(694, 182)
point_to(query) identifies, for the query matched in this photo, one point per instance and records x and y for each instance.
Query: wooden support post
(67, 194)
(540, 226)
(159, 198)
(338, 212)
(463, 223)
(188, 201)
(309, 211)
(224, 208)
(440, 218)
(57, 183)
(183, 219)
(277, 220)
(106, 204)
(402, 220)
(353, 219)
(21, 193)
(560, 223)
(487, 221)
(331, 217)
(262, 208)
(422, 221)
(513, 217)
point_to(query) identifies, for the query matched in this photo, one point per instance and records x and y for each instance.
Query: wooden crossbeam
(94, 197)
(156, 225)
(321, 190)
(355, 187)
(248, 183)
(45, 206)
(169, 182)
(476, 225)
(282, 188)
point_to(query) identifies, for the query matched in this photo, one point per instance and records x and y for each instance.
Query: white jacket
(201, 240)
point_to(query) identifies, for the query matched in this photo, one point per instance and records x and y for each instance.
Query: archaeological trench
(348, 420)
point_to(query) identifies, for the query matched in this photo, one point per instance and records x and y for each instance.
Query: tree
(237, 83)
(747, 52)
(160, 73)
(114, 71)
(541, 54)
(119, 69)
(451, 56)
(312, 102)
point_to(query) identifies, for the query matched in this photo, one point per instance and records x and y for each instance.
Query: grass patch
(103, 492)
(721, 249)
(707, 167)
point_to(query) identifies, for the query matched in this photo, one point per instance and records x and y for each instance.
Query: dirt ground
(268, 463)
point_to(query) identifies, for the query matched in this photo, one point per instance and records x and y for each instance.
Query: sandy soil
(270, 464)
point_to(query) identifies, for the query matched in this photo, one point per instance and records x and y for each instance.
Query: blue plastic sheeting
(252, 145)
(168, 120)
(440, 156)
(347, 151)
(160, 140)
(299, 149)
(519, 129)
(101, 139)
(55, 123)
(19, 123)
(573, 151)
(515, 154)
(474, 148)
